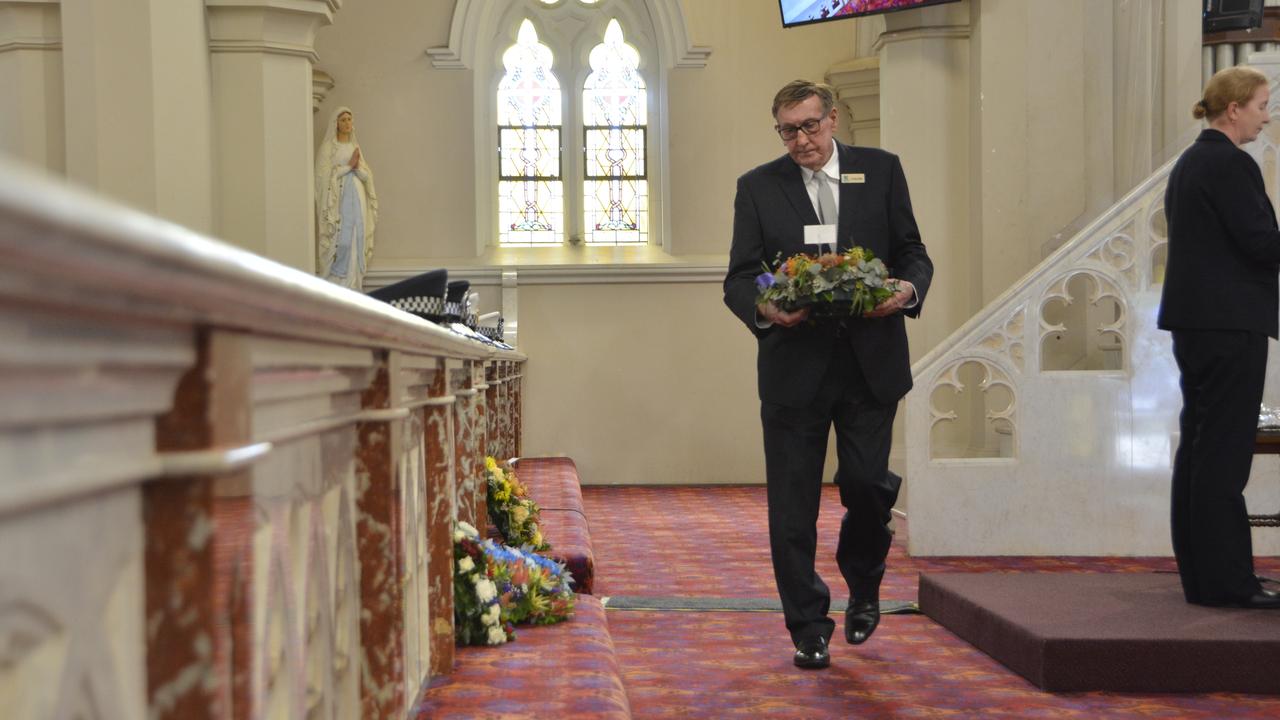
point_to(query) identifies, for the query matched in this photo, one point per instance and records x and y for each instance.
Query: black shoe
(860, 620)
(812, 653)
(1262, 600)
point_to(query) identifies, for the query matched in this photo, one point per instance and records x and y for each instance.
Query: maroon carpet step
(1121, 632)
(566, 670)
(553, 484)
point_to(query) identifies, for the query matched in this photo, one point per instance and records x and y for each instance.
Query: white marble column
(31, 83)
(135, 77)
(925, 120)
(857, 86)
(262, 55)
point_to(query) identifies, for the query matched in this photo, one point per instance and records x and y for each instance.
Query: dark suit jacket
(1224, 248)
(770, 212)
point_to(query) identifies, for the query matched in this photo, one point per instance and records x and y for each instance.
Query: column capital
(30, 25)
(276, 27)
(857, 86)
(321, 84)
(944, 22)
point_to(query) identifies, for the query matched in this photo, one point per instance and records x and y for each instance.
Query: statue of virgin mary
(346, 204)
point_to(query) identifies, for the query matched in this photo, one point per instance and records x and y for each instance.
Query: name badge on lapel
(855, 178)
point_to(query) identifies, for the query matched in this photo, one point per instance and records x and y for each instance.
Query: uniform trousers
(795, 444)
(1222, 378)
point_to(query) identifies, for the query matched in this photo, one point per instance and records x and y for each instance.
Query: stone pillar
(492, 396)
(480, 446)
(262, 55)
(199, 535)
(857, 85)
(925, 120)
(441, 514)
(31, 81)
(137, 104)
(466, 445)
(379, 533)
(517, 405)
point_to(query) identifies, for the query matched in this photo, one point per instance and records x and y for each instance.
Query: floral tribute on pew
(496, 587)
(851, 283)
(511, 511)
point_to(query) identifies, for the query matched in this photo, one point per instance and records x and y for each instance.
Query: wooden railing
(227, 488)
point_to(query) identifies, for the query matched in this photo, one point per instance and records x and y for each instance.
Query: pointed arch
(480, 32)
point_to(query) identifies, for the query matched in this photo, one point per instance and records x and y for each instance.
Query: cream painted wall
(720, 121)
(1033, 106)
(31, 78)
(138, 105)
(641, 383)
(414, 123)
(1068, 121)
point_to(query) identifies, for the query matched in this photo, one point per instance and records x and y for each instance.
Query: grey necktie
(826, 204)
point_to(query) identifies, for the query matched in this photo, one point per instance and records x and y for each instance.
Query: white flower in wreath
(466, 564)
(468, 528)
(496, 635)
(486, 590)
(492, 614)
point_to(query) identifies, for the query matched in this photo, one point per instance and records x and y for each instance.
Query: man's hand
(778, 316)
(894, 303)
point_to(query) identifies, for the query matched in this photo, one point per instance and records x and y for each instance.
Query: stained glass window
(530, 182)
(615, 120)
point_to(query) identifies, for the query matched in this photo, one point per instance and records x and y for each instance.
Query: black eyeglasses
(789, 132)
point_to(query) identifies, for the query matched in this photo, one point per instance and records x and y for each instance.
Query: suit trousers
(1222, 378)
(795, 446)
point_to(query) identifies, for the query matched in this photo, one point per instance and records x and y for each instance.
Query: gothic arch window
(609, 61)
(603, 198)
(615, 124)
(530, 182)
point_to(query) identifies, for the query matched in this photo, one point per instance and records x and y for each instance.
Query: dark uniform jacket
(770, 211)
(1224, 248)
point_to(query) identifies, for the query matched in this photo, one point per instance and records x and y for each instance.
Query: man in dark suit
(849, 373)
(1220, 301)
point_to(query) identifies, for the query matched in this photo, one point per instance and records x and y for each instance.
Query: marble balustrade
(227, 488)
(1076, 459)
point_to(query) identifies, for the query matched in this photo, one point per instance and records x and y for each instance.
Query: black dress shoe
(812, 653)
(1262, 600)
(860, 620)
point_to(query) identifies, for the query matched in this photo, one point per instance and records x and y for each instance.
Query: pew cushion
(566, 670)
(553, 484)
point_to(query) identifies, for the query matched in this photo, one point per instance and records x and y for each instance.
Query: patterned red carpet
(709, 542)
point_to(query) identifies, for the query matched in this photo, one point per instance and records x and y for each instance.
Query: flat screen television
(804, 12)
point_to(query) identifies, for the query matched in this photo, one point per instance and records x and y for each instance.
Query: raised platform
(1122, 632)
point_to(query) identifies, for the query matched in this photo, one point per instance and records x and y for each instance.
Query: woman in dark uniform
(1220, 302)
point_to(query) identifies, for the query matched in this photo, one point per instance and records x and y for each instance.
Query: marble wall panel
(441, 502)
(72, 610)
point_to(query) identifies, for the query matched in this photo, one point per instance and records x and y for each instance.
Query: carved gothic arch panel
(996, 437)
(1097, 328)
